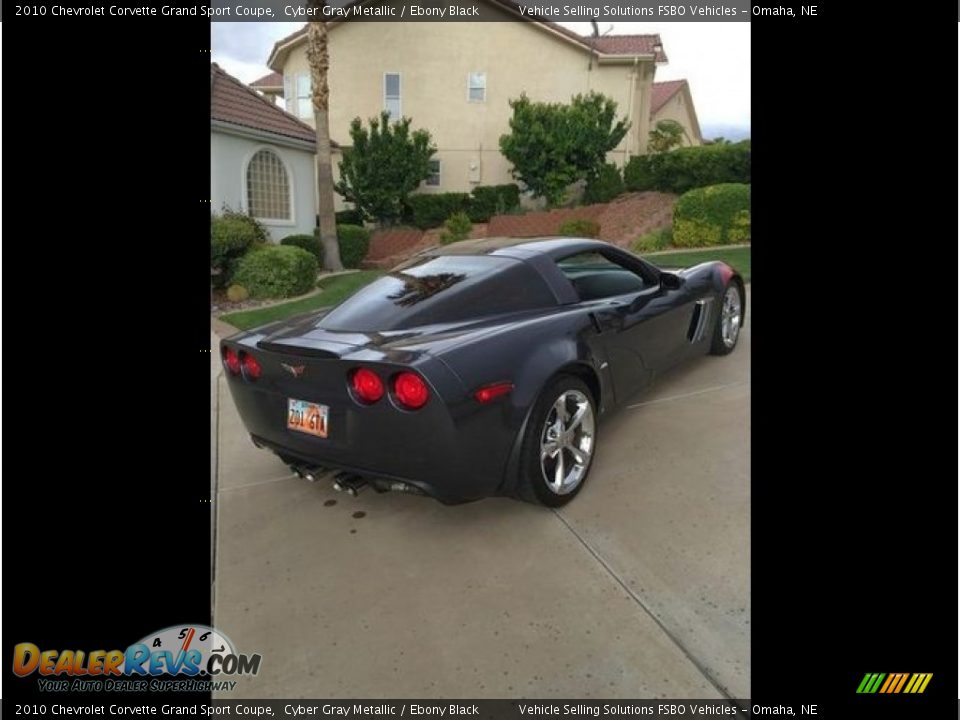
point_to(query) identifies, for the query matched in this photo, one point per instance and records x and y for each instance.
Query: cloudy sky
(713, 56)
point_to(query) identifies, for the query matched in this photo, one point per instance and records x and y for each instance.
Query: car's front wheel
(559, 443)
(726, 331)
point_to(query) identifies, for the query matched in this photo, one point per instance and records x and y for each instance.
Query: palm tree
(318, 55)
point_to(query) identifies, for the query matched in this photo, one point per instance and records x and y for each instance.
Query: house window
(304, 96)
(268, 187)
(433, 179)
(391, 95)
(477, 87)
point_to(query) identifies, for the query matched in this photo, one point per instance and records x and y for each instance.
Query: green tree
(384, 165)
(552, 145)
(318, 56)
(667, 135)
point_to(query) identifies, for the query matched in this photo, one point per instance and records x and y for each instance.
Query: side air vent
(700, 320)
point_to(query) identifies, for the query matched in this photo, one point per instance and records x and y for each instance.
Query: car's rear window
(442, 289)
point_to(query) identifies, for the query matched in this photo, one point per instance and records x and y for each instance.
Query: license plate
(307, 417)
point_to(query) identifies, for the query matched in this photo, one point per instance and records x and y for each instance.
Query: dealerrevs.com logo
(193, 658)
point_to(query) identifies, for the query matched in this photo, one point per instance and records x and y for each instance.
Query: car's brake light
(231, 360)
(367, 385)
(410, 390)
(490, 392)
(250, 366)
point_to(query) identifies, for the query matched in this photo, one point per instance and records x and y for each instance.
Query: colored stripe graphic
(893, 683)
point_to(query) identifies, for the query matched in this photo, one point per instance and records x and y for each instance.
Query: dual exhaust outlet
(351, 483)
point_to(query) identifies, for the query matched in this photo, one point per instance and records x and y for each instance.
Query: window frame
(245, 188)
(399, 96)
(439, 174)
(470, 87)
(308, 97)
(647, 274)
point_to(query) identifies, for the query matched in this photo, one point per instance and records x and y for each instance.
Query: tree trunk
(318, 55)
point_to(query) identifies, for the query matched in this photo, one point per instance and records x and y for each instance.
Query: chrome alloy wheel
(730, 316)
(566, 442)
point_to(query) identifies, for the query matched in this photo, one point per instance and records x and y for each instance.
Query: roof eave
(263, 135)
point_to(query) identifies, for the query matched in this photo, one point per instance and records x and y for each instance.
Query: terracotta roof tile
(233, 102)
(663, 91)
(273, 80)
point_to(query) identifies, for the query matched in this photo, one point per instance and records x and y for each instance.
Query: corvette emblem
(295, 370)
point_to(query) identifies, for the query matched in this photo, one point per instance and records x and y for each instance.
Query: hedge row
(715, 215)
(687, 168)
(432, 210)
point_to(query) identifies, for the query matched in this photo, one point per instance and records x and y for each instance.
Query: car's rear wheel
(559, 443)
(726, 330)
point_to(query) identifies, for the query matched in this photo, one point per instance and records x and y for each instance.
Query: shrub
(349, 217)
(237, 293)
(489, 200)
(604, 185)
(277, 271)
(456, 228)
(354, 243)
(713, 215)
(580, 228)
(431, 210)
(691, 167)
(232, 234)
(310, 243)
(655, 240)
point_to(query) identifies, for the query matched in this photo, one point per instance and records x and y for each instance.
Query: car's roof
(518, 247)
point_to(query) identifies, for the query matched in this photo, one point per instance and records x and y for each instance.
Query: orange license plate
(307, 417)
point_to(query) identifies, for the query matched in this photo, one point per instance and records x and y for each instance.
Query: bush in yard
(354, 243)
(691, 167)
(489, 200)
(310, 243)
(237, 293)
(232, 234)
(430, 210)
(383, 165)
(653, 241)
(552, 145)
(580, 228)
(714, 215)
(349, 217)
(456, 228)
(277, 271)
(603, 185)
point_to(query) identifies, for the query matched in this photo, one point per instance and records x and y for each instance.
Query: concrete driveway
(639, 588)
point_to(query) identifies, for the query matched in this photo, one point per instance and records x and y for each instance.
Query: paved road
(639, 588)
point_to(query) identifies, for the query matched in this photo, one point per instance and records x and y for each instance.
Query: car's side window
(595, 276)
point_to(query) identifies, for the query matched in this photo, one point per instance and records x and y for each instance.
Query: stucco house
(455, 79)
(261, 158)
(672, 100)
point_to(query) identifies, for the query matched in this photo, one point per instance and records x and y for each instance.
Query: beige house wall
(678, 108)
(434, 61)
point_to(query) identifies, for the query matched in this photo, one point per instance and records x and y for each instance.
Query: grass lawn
(737, 258)
(332, 291)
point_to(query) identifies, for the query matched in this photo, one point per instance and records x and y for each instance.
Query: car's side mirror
(669, 281)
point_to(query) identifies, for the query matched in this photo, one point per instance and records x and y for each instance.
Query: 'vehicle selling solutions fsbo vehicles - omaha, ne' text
(479, 368)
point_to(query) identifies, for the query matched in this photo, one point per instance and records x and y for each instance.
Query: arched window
(268, 187)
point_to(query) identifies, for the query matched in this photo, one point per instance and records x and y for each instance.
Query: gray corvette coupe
(476, 369)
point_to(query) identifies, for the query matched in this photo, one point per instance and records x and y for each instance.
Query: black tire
(533, 486)
(718, 346)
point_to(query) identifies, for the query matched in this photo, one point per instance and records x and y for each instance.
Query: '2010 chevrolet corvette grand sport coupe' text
(479, 368)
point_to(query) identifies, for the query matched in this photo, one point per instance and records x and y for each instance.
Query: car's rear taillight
(367, 385)
(410, 390)
(491, 392)
(231, 360)
(250, 366)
